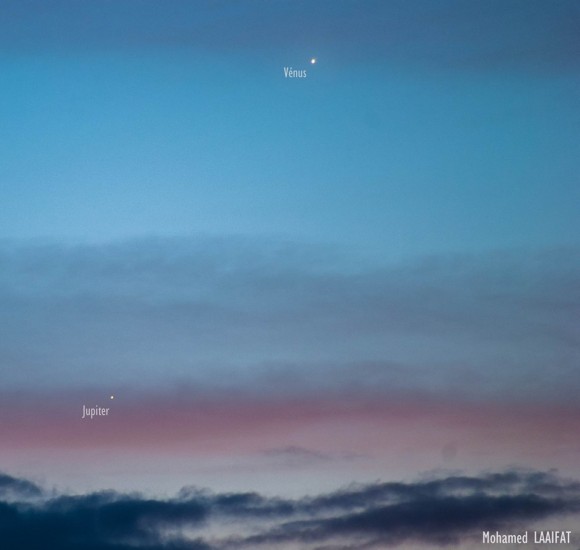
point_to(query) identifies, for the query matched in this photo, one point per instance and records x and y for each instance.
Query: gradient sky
(422, 129)
(289, 285)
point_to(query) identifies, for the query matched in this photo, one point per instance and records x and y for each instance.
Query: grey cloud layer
(528, 35)
(246, 314)
(439, 511)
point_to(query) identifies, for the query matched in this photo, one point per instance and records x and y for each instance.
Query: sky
(322, 312)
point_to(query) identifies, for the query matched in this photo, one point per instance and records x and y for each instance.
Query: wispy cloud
(242, 314)
(311, 434)
(296, 456)
(229, 347)
(515, 35)
(445, 511)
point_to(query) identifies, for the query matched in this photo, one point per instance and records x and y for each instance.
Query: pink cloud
(233, 425)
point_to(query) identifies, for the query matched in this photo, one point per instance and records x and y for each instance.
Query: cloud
(440, 521)
(229, 347)
(295, 435)
(294, 454)
(443, 511)
(98, 521)
(248, 314)
(518, 35)
(11, 487)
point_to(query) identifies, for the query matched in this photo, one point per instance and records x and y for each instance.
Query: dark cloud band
(441, 511)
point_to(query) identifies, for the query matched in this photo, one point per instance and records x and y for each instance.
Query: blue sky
(406, 139)
(289, 285)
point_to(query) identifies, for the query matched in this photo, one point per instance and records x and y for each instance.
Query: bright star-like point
(313, 61)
